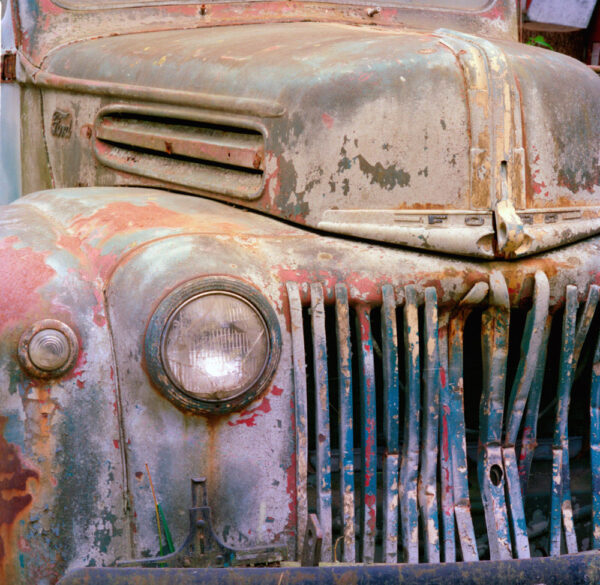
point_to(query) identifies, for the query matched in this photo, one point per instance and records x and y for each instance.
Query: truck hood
(437, 140)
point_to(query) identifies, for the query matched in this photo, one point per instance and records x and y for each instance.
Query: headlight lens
(215, 346)
(49, 349)
(212, 345)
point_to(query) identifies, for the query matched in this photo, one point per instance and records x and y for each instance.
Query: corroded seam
(391, 423)
(346, 420)
(531, 345)
(300, 409)
(409, 468)
(494, 329)
(366, 368)
(429, 438)
(321, 406)
(460, 480)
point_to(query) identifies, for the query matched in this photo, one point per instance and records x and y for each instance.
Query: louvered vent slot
(223, 159)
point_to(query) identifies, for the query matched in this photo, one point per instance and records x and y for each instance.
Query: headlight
(212, 345)
(48, 349)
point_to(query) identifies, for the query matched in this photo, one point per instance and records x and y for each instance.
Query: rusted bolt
(203, 10)
(371, 12)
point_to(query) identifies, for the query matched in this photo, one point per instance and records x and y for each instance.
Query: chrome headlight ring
(212, 345)
(48, 349)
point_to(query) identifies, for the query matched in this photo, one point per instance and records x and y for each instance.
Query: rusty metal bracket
(313, 540)
(8, 72)
(203, 548)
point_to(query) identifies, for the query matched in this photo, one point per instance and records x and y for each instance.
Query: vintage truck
(333, 265)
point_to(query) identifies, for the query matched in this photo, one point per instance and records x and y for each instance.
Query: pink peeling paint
(27, 272)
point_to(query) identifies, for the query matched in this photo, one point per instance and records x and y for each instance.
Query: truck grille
(402, 407)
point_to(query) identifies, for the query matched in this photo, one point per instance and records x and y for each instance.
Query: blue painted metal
(346, 420)
(300, 410)
(321, 406)
(583, 325)
(447, 493)
(495, 323)
(428, 500)
(409, 468)
(595, 446)
(560, 446)
(368, 411)
(579, 569)
(574, 335)
(391, 424)
(531, 346)
(529, 436)
(460, 480)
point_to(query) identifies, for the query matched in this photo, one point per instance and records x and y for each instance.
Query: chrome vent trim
(202, 151)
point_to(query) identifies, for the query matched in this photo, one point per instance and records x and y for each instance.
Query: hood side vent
(209, 153)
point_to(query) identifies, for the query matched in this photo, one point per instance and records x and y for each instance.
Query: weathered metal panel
(47, 25)
(62, 482)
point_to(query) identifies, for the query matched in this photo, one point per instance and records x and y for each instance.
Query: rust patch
(248, 417)
(14, 496)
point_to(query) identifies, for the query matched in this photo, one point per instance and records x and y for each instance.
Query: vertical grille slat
(346, 420)
(321, 406)
(300, 409)
(409, 466)
(494, 329)
(595, 447)
(560, 445)
(428, 500)
(391, 424)
(574, 334)
(368, 415)
(529, 436)
(460, 479)
(446, 459)
(383, 475)
(531, 345)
